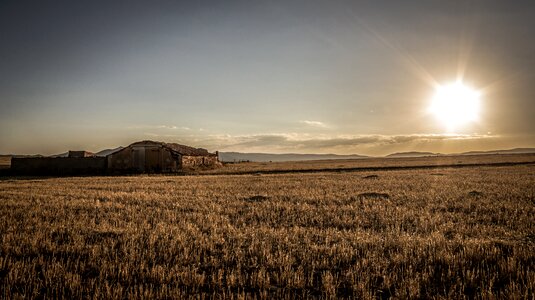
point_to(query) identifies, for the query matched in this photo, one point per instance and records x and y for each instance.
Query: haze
(287, 76)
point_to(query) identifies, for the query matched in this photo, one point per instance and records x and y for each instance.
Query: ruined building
(156, 157)
(139, 157)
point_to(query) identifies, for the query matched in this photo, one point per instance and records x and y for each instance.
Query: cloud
(323, 143)
(171, 127)
(305, 140)
(158, 127)
(166, 127)
(317, 124)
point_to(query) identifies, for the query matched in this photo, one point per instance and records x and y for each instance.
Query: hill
(413, 154)
(509, 151)
(266, 157)
(423, 154)
(107, 152)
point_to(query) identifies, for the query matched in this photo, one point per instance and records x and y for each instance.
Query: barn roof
(186, 150)
(178, 148)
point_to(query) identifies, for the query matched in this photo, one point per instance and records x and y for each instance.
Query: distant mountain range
(510, 151)
(423, 154)
(413, 154)
(267, 157)
(106, 152)
(257, 157)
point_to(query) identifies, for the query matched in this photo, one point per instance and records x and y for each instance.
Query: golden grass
(5, 161)
(447, 233)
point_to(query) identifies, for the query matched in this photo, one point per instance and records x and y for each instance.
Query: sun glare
(455, 105)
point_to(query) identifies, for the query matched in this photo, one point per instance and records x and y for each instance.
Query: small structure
(159, 157)
(58, 165)
(80, 154)
(139, 157)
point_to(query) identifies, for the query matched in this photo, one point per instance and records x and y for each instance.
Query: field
(5, 161)
(415, 233)
(372, 163)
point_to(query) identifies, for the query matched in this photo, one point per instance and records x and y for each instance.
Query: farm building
(156, 157)
(80, 154)
(58, 165)
(139, 157)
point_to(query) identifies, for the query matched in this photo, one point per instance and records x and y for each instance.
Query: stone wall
(208, 161)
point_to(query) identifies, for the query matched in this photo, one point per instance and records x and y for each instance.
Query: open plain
(443, 232)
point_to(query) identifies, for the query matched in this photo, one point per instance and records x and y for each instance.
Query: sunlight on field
(406, 234)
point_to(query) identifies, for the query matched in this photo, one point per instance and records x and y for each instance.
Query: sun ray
(406, 59)
(467, 40)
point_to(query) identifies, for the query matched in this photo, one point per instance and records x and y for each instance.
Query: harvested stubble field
(377, 163)
(5, 161)
(442, 233)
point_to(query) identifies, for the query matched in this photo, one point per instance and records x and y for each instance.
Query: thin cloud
(317, 124)
(302, 142)
(166, 127)
(313, 143)
(159, 127)
(173, 127)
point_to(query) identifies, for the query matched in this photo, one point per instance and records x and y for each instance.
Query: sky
(344, 77)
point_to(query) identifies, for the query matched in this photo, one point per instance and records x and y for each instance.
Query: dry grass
(447, 233)
(5, 161)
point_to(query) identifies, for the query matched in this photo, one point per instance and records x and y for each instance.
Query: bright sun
(455, 105)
